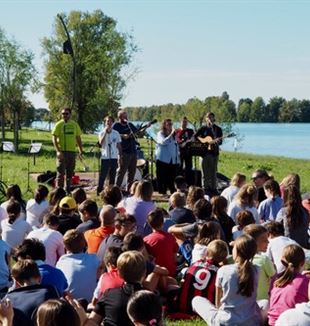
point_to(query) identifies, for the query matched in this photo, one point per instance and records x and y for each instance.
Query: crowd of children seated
(234, 259)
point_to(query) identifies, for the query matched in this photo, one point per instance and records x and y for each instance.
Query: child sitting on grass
(159, 244)
(261, 260)
(235, 294)
(111, 278)
(144, 309)
(111, 307)
(199, 279)
(289, 287)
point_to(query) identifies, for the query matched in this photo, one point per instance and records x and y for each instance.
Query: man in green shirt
(66, 135)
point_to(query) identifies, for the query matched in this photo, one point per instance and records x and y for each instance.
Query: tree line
(277, 109)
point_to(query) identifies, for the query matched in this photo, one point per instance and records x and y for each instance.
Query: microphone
(149, 124)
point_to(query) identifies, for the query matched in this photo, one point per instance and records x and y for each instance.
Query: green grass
(197, 322)
(15, 165)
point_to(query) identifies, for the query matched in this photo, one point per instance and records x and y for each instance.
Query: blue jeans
(108, 166)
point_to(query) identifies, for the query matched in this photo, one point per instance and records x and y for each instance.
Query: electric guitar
(208, 140)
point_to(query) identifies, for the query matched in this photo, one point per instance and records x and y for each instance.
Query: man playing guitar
(184, 136)
(128, 155)
(210, 159)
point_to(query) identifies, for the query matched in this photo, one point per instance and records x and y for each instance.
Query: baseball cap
(67, 203)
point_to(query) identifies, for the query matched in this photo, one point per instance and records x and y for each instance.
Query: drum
(140, 158)
(138, 177)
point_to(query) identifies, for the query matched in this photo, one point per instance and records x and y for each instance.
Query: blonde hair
(237, 179)
(246, 195)
(217, 250)
(131, 266)
(178, 199)
(292, 179)
(293, 257)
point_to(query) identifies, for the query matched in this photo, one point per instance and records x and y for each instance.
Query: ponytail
(13, 209)
(245, 249)
(41, 194)
(286, 277)
(246, 278)
(293, 257)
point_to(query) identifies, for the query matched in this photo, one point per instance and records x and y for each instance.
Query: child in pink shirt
(289, 287)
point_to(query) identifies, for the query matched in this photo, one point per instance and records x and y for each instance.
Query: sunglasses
(65, 113)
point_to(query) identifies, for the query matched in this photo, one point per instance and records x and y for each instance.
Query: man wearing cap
(210, 159)
(66, 135)
(68, 218)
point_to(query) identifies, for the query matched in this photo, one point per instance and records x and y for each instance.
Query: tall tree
(304, 106)
(17, 76)
(195, 111)
(273, 108)
(258, 110)
(290, 111)
(102, 55)
(244, 111)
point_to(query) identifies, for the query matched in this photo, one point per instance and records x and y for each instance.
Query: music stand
(34, 149)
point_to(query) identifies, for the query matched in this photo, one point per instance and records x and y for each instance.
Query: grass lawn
(15, 166)
(197, 322)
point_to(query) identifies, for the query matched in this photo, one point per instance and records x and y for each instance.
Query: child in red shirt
(199, 279)
(160, 244)
(111, 278)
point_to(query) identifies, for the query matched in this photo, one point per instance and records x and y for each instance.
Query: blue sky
(191, 48)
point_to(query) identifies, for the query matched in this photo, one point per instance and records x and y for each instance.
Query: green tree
(258, 110)
(102, 55)
(273, 109)
(304, 107)
(195, 110)
(290, 111)
(244, 111)
(17, 76)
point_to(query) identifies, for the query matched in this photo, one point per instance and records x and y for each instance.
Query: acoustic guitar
(209, 140)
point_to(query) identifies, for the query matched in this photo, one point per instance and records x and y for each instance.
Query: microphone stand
(152, 141)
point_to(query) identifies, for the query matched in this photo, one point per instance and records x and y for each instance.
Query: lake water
(279, 139)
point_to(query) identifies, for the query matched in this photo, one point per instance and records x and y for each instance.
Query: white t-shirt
(235, 308)
(35, 212)
(229, 193)
(234, 209)
(81, 273)
(298, 316)
(3, 214)
(109, 148)
(22, 212)
(53, 242)
(275, 249)
(14, 234)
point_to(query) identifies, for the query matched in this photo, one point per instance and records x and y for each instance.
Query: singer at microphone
(110, 143)
(167, 157)
(128, 160)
